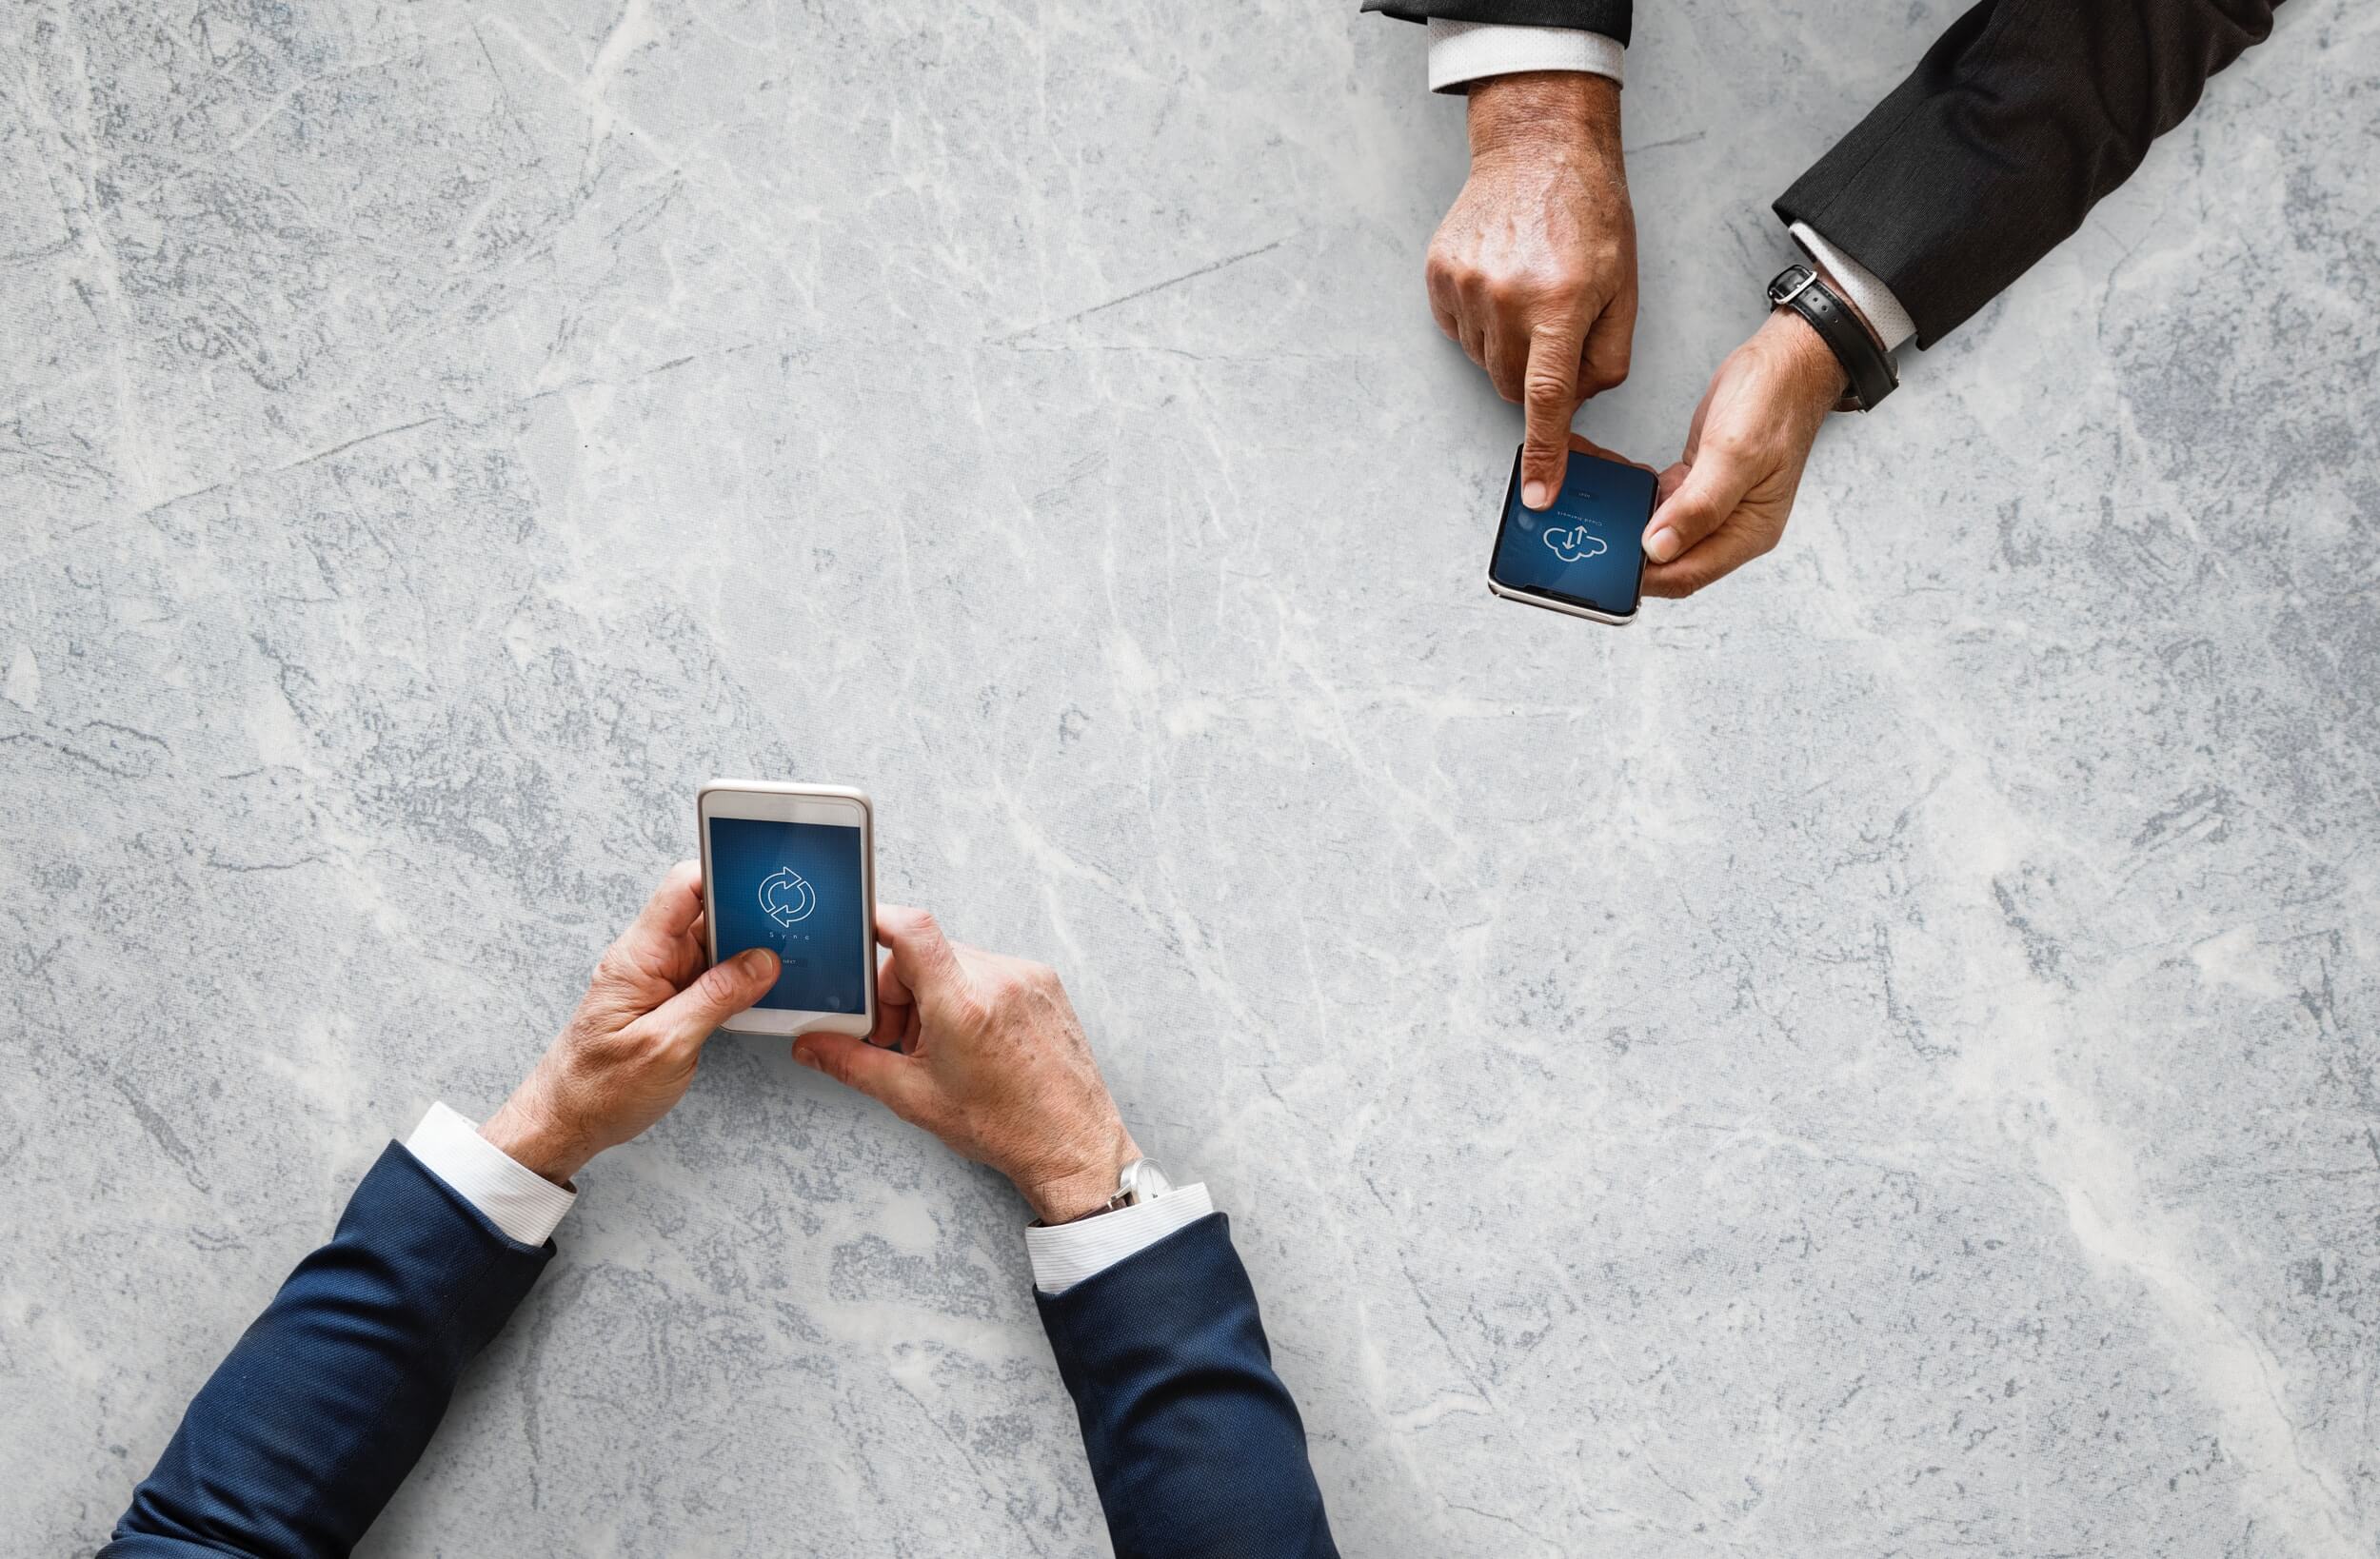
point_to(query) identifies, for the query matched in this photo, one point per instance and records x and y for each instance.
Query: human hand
(1534, 269)
(626, 1056)
(985, 1053)
(1727, 501)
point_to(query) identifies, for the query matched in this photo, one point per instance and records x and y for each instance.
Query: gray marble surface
(1880, 1059)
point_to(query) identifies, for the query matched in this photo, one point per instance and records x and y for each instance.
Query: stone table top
(1876, 1060)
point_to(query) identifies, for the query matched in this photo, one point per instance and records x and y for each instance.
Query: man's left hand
(985, 1053)
(1727, 501)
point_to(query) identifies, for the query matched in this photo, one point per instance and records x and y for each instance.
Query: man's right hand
(985, 1053)
(1534, 269)
(628, 1054)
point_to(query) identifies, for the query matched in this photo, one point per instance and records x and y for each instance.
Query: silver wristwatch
(1140, 1181)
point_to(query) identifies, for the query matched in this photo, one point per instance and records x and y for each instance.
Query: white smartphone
(793, 868)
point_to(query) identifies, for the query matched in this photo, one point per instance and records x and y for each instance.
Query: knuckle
(610, 985)
(1509, 291)
(971, 1010)
(1555, 287)
(1698, 518)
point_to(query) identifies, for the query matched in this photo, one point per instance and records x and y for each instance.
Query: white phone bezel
(1530, 597)
(1554, 604)
(771, 801)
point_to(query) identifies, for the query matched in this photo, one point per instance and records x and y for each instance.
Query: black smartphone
(1583, 553)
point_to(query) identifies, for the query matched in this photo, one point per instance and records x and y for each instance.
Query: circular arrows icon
(785, 897)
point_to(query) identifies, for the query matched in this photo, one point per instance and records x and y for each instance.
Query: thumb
(1712, 488)
(723, 990)
(899, 1082)
(1550, 395)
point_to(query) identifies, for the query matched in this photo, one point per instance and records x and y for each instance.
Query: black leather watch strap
(1872, 372)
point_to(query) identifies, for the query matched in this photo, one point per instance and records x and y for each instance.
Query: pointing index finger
(1550, 399)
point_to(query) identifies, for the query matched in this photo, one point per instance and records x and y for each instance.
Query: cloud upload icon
(1576, 545)
(785, 897)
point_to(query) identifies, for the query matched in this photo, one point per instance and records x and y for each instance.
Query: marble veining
(1878, 1059)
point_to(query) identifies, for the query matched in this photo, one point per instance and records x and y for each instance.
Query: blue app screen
(1588, 546)
(795, 887)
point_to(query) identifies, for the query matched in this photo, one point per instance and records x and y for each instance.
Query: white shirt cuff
(1072, 1251)
(1874, 299)
(516, 1198)
(1466, 52)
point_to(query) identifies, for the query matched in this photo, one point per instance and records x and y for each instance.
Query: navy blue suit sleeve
(1195, 1444)
(299, 1438)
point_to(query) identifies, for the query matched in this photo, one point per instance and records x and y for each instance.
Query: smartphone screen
(1586, 548)
(794, 887)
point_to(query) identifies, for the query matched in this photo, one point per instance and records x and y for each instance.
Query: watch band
(1872, 372)
(1140, 1181)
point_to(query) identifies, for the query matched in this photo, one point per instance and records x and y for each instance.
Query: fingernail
(1664, 542)
(759, 961)
(1534, 495)
(808, 1056)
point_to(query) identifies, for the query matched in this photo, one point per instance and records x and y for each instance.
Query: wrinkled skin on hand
(1534, 269)
(985, 1053)
(628, 1054)
(1727, 501)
